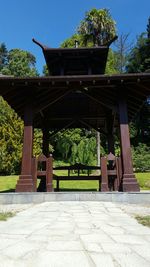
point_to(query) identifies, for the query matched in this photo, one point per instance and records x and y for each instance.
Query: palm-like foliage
(98, 27)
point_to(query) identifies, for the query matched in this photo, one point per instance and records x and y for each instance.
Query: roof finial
(76, 43)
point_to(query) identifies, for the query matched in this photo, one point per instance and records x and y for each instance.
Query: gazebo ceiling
(76, 101)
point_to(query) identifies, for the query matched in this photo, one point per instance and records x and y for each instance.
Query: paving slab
(74, 234)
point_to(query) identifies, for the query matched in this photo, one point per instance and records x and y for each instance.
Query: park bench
(80, 176)
(110, 176)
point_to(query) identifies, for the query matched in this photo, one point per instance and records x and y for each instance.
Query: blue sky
(51, 22)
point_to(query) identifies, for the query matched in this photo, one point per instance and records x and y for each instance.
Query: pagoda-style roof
(75, 61)
(76, 101)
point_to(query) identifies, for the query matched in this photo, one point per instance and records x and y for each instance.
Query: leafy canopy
(3, 55)
(20, 64)
(139, 58)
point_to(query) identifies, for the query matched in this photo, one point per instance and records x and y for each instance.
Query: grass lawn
(143, 180)
(5, 215)
(145, 220)
(8, 183)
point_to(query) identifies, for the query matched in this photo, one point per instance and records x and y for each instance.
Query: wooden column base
(49, 188)
(130, 183)
(104, 187)
(25, 184)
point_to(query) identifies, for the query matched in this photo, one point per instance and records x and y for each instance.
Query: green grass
(75, 185)
(78, 186)
(8, 183)
(145, 220)
(143, 180)
(5, 215)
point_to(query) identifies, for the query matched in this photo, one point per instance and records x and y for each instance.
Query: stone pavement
(74, 234)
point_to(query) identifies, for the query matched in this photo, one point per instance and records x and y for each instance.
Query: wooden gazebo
(76, 94)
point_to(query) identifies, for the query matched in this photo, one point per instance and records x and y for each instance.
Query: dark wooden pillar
(111, 145)
(25, 182)
(110, 119)
(129, 180)
(45, 150)
(104, 175)
(45, 141)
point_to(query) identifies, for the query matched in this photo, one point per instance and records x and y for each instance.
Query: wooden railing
(111, 173)
(109, 177)
(43, 167)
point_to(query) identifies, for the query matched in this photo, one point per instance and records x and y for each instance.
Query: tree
(11, 131)
(3, 55)
(64, 140)
(140, 128)
(141, 157)
(111, 65)
(45, 70)
(139, 58)
(121, 54)
(20, 64)
(70, 42)
(139, 61)
(148, 28)
(75, 146)
(98, 27)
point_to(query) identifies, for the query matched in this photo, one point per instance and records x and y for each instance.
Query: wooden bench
(79, 177)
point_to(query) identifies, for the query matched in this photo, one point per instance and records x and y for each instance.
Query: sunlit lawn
(5, 215)
(8, 183)
(143, 180)
(145, 220)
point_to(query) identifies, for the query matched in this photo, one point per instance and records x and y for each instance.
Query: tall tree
(121, 53)
(20, 63)
(3, 55)
(11, 130)
(139, 58)
(112, 63)
(139, 61)
(97, 27)
(148, 28)
(70, 42)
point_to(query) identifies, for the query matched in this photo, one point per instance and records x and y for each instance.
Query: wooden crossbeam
(106, 105)
(49, 103)
(91, 126)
